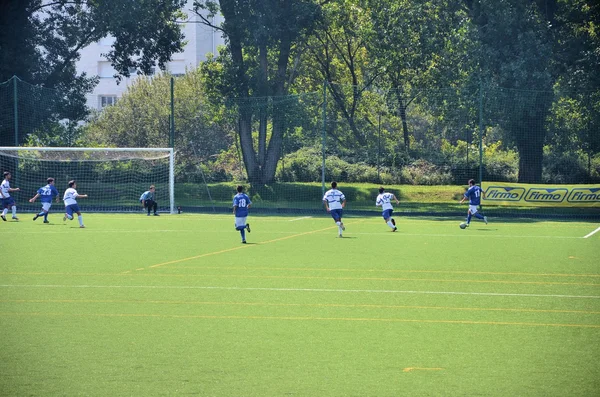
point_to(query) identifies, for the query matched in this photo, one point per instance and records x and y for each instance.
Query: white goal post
(114, 178)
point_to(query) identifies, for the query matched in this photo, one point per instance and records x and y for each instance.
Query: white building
(200, 39)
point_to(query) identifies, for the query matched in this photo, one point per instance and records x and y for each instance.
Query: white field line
(374, 291)
(299, 219)
(592, 233)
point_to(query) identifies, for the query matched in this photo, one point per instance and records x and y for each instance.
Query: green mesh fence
(424, 145)
(29, 111)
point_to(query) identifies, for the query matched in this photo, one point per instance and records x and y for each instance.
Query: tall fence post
(324, 138)
(480, 132)
(15, 80)
(172, 121)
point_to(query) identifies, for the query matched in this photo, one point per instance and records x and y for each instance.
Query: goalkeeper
(147, 200)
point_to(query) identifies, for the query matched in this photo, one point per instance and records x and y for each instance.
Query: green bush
(305, 166)
(564, 167)
(595, 169)
(422, 172)
(500, 165)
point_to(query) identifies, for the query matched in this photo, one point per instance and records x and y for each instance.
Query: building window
(107, 100)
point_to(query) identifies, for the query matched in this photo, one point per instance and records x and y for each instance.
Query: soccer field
(136, 305)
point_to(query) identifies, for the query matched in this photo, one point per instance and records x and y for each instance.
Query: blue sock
(478, 216)
(469, 218)
(243, 233)
(45, 216)
(41, 213)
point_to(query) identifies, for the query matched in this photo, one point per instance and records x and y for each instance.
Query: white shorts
(473, 209)
(46, 206)
(240, 222)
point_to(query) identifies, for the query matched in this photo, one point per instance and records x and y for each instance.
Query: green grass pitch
(136, 305)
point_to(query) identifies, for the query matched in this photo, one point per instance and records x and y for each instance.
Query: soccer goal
(113, 178)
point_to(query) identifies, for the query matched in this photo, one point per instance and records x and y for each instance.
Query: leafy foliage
(40, 41)
(142, 118)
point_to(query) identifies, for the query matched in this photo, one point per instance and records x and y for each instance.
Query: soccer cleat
(3, 218)
(46, 221)
(64, 218)
(393, 222)
(82, 227)
(36, 216)
(248, 227)
(155, 214)
(243, 241)
(343, 227)
(485, 219)
(395, 228)
(15, 218)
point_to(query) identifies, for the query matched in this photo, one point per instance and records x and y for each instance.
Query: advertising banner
(536, 195)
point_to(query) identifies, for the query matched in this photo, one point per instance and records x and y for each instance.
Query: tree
(516, 56)
(418, 45)
(261, 38)
(577, 50)
(141, 119)
(338, 55)
(40, 42)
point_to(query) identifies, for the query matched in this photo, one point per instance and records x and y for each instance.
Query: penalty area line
(592, 233)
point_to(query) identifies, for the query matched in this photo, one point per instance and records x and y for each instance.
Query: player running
(335, 201)
(384, 200)
(241, 203)
(474, 194)
(47, 193)
(6, 199)
(70, 198)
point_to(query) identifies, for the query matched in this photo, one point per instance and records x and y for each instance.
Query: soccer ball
(463, 225)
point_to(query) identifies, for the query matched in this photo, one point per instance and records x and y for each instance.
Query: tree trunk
(263, 86)
(531, 155)
(245, 113)
(274, 150)
(248, 154)
(340, 100)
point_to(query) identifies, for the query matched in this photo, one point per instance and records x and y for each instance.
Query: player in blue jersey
(6, 199)
(474, 194)
(335, 201)
(70, 198)
(47, 193)
(384, 200)
(241, 203)
(147, 200)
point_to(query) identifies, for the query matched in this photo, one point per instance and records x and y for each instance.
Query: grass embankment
(294, 192)
(434, 200)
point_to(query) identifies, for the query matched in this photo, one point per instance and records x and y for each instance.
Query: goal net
(113, 178)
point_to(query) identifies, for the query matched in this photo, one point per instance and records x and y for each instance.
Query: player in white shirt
(384, 200)
(6, 199)
(335, 201)
(70, 198)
